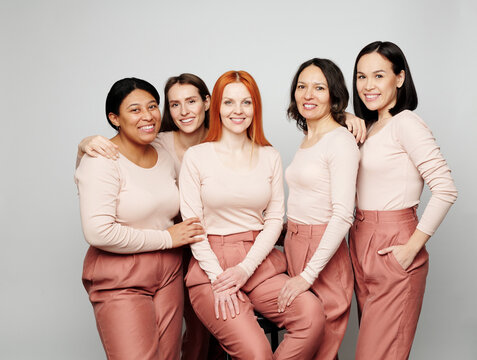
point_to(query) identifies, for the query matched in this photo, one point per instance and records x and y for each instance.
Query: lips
(187, 121)
(237, 121)
(147, 128)
(309, 106)
(371, 97)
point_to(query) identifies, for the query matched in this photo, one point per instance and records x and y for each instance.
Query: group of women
(210, 158)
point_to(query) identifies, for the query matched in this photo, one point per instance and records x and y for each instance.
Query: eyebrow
(245, 98)
(374, 72)
(187, 98)
(314, 83)
(137, 104)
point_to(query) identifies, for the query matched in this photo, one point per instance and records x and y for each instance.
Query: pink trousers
(389, 297)
(334, 286)
(137, 301)
(197, 342)
(241, 336)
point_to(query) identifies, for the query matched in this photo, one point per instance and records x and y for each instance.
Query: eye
(300, 87)
(192, 101)
(134, 110)
(319, 88)
(247, 102)
(227, 102)
(360, 77)
(152, 106)
(173, 105)
(379, 76)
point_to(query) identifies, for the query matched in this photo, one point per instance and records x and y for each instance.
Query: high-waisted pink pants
(137, 301)
(334, 286)
(241, 336)
(197, 342)
(389, 297)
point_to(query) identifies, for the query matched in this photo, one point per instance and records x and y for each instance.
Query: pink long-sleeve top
(126, 208)
(395, 163)
(166, 140)
(322, 183)
(229, 202)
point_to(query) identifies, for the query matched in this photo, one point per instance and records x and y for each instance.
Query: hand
(357, 126)
(186, 232)
(403, 254)
(98, 145)
(231, 279)
(292, 288)
(223, 298)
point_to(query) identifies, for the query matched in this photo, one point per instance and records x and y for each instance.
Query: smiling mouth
(147, 128)
(186, 121)
(371, 97)
(309, 106)
(237, 120)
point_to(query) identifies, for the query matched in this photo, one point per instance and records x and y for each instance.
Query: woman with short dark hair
(132, 270)
(321, 181)
(387, 241)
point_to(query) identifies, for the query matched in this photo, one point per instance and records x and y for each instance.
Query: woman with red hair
(233, 183)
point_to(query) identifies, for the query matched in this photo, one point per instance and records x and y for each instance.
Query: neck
(186, 140)
(233, 142)
(320, 126)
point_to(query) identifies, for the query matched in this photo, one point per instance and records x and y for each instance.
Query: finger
(236, 304)
(216, 308)
(292, 297)
(241, 296)
(230, 306)
(385, 250)
(365, 131)
(349, 126)
(195, 233)
(355, 130)
(192, 220)
(222, 307)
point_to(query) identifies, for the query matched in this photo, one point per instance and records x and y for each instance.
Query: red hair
(255, 130)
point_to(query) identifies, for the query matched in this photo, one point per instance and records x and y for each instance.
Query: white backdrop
(59, 59)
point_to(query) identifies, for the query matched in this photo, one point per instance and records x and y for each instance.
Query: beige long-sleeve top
(229, 202)
(395, 163)
(166, 140)
(322, 183)
(126, 208)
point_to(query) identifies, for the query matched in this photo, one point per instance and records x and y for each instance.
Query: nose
(308, 93)
(147, 115)
(184, 110)
(238, 108)
(369, 83)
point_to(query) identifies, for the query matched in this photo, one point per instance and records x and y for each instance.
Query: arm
(98, 182)
(419, 143)
(343, 162)
(96, 145)
(273, 222)
(356, 126)
(191, 206)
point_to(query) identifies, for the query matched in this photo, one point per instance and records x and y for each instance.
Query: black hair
(406, 98)
(186, 78)
(123, 88)
(339, 95)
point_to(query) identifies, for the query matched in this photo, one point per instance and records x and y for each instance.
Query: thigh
(127, 326)
(241, 336)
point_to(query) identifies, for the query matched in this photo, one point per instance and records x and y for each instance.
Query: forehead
(178, 91)
(138, 96)
(236, 89)
(373, 62)
(312, 73)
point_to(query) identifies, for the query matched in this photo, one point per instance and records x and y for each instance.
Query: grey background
(59, 59)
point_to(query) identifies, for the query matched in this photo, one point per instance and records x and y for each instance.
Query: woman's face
(139, 117)
(312, 95)
(377, 83)
(236, 109)
(187, 107)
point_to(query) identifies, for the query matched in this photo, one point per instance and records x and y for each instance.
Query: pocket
(195, 275)
(112, 270)
(296, 251)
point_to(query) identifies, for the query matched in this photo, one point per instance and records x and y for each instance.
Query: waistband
(386, 216)
(304, 229)
(233, 238)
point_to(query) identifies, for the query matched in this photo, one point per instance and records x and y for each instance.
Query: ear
(113, 118)
(207, 102)
(400, 79)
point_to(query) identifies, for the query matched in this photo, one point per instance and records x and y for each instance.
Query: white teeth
(371, 97)
(309, 106)
(187, 120)
(147, 127)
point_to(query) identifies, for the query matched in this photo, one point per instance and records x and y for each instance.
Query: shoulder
(200, 151)
(165, 139)
(97, 167)
(341, 139)
(407, 118)
(270, 155)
